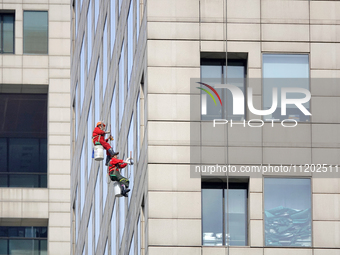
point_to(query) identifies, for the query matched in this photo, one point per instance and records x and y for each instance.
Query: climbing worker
(114, 171)
(98, 137)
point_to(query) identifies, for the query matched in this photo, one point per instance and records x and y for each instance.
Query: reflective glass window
(287, 212)
(35, 32)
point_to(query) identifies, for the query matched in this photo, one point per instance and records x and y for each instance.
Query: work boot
(112, 153)
(124, 190)
(107, 161)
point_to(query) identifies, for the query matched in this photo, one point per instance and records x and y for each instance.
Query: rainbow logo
(209, 93)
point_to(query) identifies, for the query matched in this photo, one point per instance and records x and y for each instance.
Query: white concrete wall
(44, 206)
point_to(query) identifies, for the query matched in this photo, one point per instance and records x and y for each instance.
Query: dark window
(213, 73)
(23, 140)
(36, 32)
(287, 212)
(7, 32)
(224, 213)
(23, 240)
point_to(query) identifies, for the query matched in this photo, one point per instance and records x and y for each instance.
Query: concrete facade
(49, 206)
(166, 54)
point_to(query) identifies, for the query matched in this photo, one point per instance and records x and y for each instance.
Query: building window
(113, 24)
(218, 104)
(121, 216)
(121, 89)
(130, 153)
(90, 127)
(23, 140)
(96, 13)
(7, 32)
(114, 230)
(285, 70)
(137, 19)
(105, 59)
(23, 240)
(97, 99)
(89, 35)
(35, 32)
(130, 42)
(97, 211)
(132, 246)
(82, 183)
(224, 213)
(90, 234)
(287, 212)
(82, 75)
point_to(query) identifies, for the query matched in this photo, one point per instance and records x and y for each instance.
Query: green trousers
(116, 176)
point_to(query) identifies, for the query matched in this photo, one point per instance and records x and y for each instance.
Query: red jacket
(98, 132)
(116, 164)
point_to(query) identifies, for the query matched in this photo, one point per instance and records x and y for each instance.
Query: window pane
(211, 74)
(3, 247)
(36, 247)
(121, 86)
(121, 218)
(43, 181)
(25, 180)
(24, 155)
(131, 146)
(21, 247)
(212, 223)
(43, 247)
(35, 32)
(8, 33)
(3, 153)
(105, 63)
(279, 70)
(114, 230)
(97, 212)
(130, 42)
(237, 217)
(3, 180)
(236, 77)
(43, 156)
(89, 35)
(113, 24)
(287, 205)
(90, 235)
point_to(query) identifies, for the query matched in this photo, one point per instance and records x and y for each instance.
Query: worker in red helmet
(115, 167)
(98, 137)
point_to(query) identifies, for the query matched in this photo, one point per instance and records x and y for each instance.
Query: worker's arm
(115, 161)
(122, 165)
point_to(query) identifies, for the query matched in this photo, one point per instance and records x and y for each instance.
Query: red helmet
(100, 123)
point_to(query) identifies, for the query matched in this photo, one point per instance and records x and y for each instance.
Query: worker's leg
(122, 179)
(124, 182)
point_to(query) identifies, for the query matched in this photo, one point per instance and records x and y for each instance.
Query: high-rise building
(134, 66)
(34, 127)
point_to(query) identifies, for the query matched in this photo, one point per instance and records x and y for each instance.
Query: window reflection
(287, 205)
